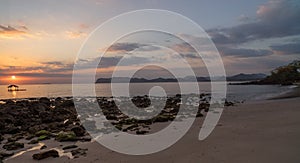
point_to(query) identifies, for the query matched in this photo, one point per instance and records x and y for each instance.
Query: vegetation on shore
(284, 75)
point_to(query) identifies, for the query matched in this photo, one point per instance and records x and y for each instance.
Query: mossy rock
(43, 137)
(66, 136)
(42, 133)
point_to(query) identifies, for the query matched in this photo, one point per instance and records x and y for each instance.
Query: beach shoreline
(295, 92)
(247, 132)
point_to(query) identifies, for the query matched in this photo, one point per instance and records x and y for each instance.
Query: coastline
(256, 131)
(295, 92)
(264, 131)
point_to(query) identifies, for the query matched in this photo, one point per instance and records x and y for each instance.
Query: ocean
(234, 92)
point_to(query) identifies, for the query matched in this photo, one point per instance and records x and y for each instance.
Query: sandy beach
(261, 131)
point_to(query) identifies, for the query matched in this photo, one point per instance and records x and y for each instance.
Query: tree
(284, 75)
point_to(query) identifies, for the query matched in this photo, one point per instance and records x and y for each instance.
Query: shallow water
(234, 92)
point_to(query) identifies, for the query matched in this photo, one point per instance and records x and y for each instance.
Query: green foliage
(66, 136)
(43, 137)
(284, 75)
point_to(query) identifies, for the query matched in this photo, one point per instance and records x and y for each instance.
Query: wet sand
(262, 131)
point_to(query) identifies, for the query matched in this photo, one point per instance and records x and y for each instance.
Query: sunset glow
(42, 46)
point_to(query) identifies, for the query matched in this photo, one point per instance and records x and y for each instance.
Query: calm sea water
(234, 92)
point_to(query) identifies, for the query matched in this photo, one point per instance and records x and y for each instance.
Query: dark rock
(43, 155)
(229, 103)
(3, 155)
(78, 130)
(43, 147)
(35, 141)
(199, 114)
(111, 117)
(45, 101)
(69, 147)
(46, 116)
(85, 138)
(131, 127)
(67, 103)
(161, 118)
(79, 152)
(13, 146)
(12, 130)
(36, 108)
(29, 137)
(15, 138)
(58, 99)
(10, 102)
(141, 132)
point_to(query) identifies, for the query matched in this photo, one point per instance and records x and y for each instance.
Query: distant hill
(238, 77)
(246, 77)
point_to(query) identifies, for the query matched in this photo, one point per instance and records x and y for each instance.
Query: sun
(13, 77)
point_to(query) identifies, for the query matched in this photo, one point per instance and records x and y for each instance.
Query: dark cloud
(277, 18)
(11, 32)
(128, 46)
(245, 53)
(53, 63)
(45, 68)
(124, 47)
(190, 55)
(292, 48)
(107, 62)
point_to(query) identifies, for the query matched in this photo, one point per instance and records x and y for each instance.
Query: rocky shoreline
(25, 123)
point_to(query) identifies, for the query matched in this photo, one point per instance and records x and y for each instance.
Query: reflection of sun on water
(14, 94)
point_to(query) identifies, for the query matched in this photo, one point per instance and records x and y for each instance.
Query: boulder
(42, 155)
(79, 152)
(66, 136)
(3, 155)
(45, 101)
(35, 141)
(69, 147)
(78, 130)
(13, 146)
(42, 132)
(141, 132)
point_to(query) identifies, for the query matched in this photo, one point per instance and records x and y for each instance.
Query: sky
(40, 39)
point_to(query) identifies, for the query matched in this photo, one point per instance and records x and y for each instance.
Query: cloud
(78, 32)
(10, 32)
(107, 62)
(124, 47)
(291, 48)
(130, 46)
(245, 53)
(42, 69)
(275, 19)
(183, 48)
(75, 34)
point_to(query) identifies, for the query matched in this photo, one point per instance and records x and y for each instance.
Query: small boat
(14, 87)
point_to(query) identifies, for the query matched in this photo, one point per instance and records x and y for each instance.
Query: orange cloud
(74, 34)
